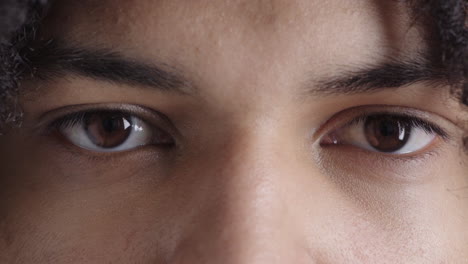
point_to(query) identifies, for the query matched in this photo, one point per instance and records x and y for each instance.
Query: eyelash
(154, 126)
(413, 121)
(73, 119)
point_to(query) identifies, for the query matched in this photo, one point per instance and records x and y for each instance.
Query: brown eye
(387, 134)
(108, 130)
(111, 131)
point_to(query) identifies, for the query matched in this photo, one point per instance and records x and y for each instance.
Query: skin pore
(253, 174)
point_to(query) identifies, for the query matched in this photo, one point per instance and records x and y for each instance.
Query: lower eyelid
(433, 148)
(351, 161)
(65, 146)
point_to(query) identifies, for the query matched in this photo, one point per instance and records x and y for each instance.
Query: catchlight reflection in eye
(385, 133)
(110, 131)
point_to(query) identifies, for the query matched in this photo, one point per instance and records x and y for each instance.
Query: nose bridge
(253, 190)
(249, 219)
(253, 174)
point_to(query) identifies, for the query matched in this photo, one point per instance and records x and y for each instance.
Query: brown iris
(108, 130)
(387, 134)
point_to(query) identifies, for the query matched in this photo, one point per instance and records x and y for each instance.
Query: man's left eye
(385, 133)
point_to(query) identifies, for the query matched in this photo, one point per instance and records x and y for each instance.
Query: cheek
(397, 210)
(57, 208)
(43, 166)
(359, 234)
(98, 225)
(372, 242)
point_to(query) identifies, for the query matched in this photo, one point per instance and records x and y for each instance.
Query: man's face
(234, 132)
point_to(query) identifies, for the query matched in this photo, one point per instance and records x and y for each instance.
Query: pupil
(387, 134)
(388, 129)
(111, 124)
(108, 130)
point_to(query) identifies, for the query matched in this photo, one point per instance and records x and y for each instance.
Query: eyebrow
(388, 75)
(54, 59)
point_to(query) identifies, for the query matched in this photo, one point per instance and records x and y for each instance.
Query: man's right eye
(110, 131)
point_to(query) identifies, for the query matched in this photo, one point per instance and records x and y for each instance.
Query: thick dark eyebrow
(54, 59)
(388, 75)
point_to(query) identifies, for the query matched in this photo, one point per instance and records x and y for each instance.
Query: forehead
(243, 39)
(322, 24)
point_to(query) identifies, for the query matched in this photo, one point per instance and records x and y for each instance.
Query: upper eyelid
(416, 121)
(347, 116)
(68, 120)
(153, 117)
(54, 121)
(167, 125)
(122, 107)
(77, 117)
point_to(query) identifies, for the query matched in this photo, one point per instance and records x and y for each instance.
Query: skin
(249, 181)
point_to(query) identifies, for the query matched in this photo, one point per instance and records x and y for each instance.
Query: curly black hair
(19, 20)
